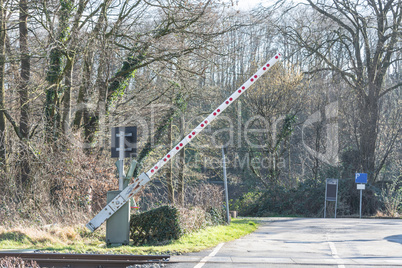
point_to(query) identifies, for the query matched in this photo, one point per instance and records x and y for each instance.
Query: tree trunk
(83, 91)
(3, 134)
(57, 63)
(182, 164)
(52, 95)
(23, 92)
(67, 95)
(99, 115)
(90, 115)
(368, 134)
(169, 172)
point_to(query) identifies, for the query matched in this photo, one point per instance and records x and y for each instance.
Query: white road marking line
(333, 249)
(206, 258)
(334, 253)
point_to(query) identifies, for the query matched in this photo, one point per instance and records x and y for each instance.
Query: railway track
(58, 260)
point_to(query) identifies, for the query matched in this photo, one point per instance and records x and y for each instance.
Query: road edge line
(206, 258)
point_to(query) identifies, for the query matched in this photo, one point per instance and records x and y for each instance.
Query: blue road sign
(361, 178)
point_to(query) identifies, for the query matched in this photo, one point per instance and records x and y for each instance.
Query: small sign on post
(361, 186)
(130, 141)
(361, 179)
(331, 194)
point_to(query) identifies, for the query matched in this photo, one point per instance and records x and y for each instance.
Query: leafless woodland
(72, 69)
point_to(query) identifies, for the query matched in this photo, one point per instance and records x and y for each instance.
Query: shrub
(66, 186)
(167, 223)
(391, 197)
(215, 216)
(246, 205)
(307, 199)
(203, 195)
(192, 219)
(156, 225)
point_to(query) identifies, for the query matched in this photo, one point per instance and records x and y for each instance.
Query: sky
(247, 4)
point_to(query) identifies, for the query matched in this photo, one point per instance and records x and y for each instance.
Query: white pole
(361, 203)
(336, 198)
(225, 182)
(325, 199)
(121, 159)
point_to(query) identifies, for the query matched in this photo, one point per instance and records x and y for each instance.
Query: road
(302, 242)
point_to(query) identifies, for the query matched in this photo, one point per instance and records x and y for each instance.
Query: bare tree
(274, 104)
(3, 134)
(368, 32)
(25, 70)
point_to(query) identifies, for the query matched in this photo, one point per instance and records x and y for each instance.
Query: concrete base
(118, 225)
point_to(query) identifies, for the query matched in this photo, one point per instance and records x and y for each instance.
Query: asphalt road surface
(300, 242)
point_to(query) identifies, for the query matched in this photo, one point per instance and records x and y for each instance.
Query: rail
(87, 260)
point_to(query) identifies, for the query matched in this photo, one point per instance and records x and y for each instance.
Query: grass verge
(81, 240)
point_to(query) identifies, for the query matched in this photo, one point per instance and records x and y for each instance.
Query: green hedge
(167, 223)
(215, 216)
(156, 225)
(307, 199)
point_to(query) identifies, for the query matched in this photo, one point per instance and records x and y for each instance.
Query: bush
(167, 223)
(246, 205)
(156, 225)
(216, 216)
(66, 186)
(391, 198)
(276, 201)
(308, 198)
(203, 195)
(305, 200)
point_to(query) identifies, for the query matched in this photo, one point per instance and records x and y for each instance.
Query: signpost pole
(121, 159)
(336, 200)
(325, 201)
(361, 180)
(225, 181)
(361, 191)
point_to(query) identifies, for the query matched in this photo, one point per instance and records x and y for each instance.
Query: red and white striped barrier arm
(144, 178)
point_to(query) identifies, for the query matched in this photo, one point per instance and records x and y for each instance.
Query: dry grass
(78, 239)
(47, 236)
